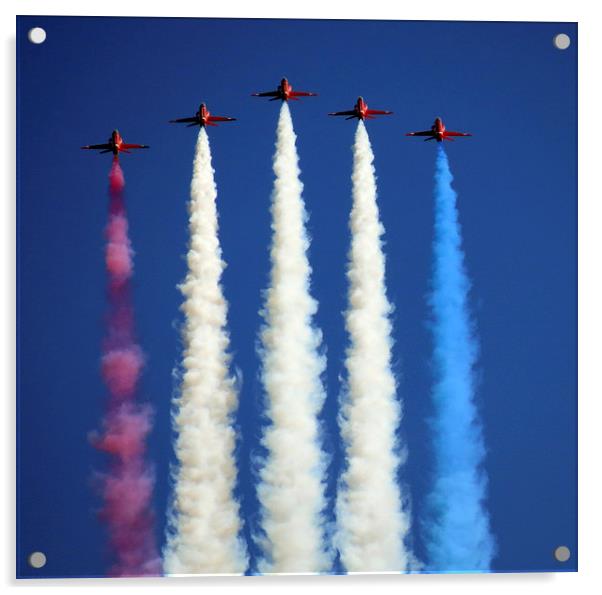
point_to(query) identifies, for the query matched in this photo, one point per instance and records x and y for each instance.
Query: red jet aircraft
(361, 111)
(115, 145)
(284, 92)
(438, 132)
(203, 118)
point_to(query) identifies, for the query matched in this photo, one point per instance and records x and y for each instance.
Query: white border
(590, 300)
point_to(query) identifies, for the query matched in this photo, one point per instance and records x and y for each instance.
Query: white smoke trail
(204, 531)
(371, 521)
(291, 490)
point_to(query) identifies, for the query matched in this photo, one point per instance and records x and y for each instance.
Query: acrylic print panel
(382, 378)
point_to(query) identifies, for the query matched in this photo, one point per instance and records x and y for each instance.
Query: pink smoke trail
(128, 485)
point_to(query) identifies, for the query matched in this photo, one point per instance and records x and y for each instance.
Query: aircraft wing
(221, 119)
(302, 94)
(421, 133)
(103, 146)
(267, 94)
(134, 146)
(377, 112)
(347, 113)
(452, 133)
(192, 119)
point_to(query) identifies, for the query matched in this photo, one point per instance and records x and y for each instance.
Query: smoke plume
(127, 487)
(291, 489)
(458, 533)
(371, 520)
(204, 529)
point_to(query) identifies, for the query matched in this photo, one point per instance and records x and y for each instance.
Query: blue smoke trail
(459, 538)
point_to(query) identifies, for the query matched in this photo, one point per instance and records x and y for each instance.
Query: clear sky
(516, 179)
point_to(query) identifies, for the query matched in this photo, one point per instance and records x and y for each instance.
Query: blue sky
(516, 180)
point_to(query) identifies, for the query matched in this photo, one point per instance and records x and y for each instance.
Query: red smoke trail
(128, 485)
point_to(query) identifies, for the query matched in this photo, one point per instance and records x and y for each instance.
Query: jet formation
(283, 92)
